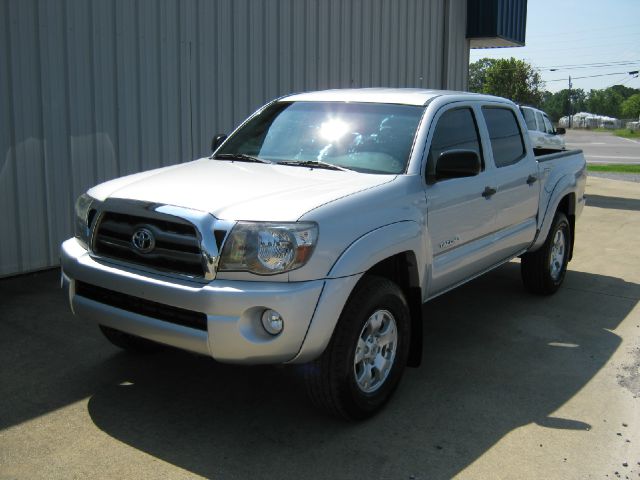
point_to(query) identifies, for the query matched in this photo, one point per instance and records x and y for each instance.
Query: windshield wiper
(313, 164)
(240, 157)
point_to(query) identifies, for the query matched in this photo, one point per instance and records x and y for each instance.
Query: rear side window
(540, 122)
(456, 130)
(529, 118)
(505, 135)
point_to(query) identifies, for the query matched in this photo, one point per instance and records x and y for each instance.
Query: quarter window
(506, 139)
(456, 130)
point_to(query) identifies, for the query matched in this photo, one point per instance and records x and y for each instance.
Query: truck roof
(402, 96)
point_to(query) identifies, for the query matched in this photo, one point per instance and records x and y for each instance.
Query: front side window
(547, 124)
(365, 137)
(505, 135)
(455, 130)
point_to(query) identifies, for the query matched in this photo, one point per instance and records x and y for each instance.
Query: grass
(613, 168)
(621, 132)
(626, 133)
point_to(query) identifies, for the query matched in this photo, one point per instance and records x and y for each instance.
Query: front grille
(177, 248)
(167, 313)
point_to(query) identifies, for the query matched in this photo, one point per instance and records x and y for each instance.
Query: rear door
(536, 136)
(516, 182)
(553, 140)
(542, 139)
(460, 220)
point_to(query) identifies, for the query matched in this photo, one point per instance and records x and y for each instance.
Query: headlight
(82, 209)
(268, 248)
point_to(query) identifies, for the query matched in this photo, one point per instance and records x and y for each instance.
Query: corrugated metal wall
(95, 89)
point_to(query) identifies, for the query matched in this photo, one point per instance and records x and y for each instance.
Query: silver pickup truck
(316, 231)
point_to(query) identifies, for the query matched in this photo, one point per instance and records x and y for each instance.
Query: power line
(592, 76)
(633, 79)
(581, 67)
(594, 63)
(621, 81)
(621, 63)
(582, 64)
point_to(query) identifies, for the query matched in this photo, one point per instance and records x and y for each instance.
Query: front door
(460, 220)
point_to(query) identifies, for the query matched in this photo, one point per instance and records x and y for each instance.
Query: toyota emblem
(143, 240)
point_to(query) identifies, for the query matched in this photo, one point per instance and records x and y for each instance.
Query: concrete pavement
(512, 386)
(603, 147)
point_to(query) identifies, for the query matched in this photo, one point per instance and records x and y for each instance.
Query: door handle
(532, 179)
(488, 191)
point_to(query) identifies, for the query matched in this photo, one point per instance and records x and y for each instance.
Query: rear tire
(129, 342)
(543, 271)
(364, 361)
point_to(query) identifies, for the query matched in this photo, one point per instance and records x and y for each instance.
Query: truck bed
(546, 154)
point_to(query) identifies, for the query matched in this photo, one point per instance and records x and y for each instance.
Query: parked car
(542, 133)
(316, 231)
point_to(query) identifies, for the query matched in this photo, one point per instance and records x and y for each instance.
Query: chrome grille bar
(184, 239)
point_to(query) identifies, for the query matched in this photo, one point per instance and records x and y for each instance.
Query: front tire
(364, 361)
(543, 271)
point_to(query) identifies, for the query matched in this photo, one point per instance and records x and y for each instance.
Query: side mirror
(217, 141)
(561, 131)
(457, 164)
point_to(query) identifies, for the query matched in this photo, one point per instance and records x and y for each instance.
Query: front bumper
(233, 309)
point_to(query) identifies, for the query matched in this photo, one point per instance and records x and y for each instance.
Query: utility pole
(570, 104)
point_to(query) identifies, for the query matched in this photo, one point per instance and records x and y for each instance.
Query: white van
(541, 130)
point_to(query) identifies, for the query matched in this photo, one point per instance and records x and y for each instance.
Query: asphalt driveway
(512, 386)
(604, 147)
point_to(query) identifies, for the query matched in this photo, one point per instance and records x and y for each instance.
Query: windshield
(365, 137)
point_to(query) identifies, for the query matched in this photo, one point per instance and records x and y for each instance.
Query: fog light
(272, 322)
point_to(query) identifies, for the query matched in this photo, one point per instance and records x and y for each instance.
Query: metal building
(95, 89)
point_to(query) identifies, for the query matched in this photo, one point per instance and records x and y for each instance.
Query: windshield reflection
(365, 137)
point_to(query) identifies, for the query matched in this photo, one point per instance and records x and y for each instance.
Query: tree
(625, 92)
(478, 73)
(557, 104)
(509, 78)
(605, 102)
(630, 108)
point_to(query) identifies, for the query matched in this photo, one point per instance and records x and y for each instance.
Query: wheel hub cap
(375, 351)
(556, 259)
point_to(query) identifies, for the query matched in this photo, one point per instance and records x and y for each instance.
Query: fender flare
(362, 254)
(378, 245)
(566, 185)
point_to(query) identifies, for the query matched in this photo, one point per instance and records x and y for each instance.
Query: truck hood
(238, 190)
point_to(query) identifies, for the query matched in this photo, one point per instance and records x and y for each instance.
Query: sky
(579, 38)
